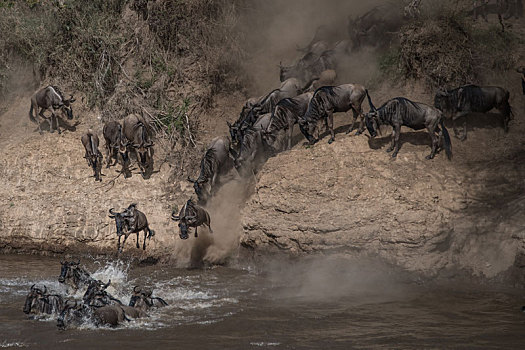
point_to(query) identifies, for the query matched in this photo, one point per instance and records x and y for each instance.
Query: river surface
(317, 303)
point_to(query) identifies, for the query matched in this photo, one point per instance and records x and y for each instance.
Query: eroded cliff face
(423, 215)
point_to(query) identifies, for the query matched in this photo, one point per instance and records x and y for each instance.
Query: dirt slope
(50, 202)
(426, 216)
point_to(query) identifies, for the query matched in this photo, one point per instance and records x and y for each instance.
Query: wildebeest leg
(457, 116)
(138, 247)
(435, 142)
(196, 232)
(124, 242)
(391, 148)
(396, 132)
(330, 124)
(290, 135)
(145, 235)
(209, 228)
(118, 244)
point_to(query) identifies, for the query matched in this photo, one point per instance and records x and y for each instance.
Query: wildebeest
(326, 78)
(289, 88)
(401, 111)
(131, 220)
(504, 9)
(135, 130)
(115, 143)
(375, 27)
(309, 71)
(466, 99)
(50, 98)
(253, 152)
(74, 275)
(143, 299)
(93, 155)
(284, 117)
(191, 215)
(215, 164)
(111, 315)
(328, 100)
(96, 295)
(39, 302)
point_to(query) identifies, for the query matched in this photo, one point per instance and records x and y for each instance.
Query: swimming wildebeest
(289, 88)
(116, 143)
(74, 275)
(328, 100)
(459, 102)
(215, 164)
(191, 215)
(284, 117)
(135, 130)
(143, 299)
(131, 220)
(93, 155)
(39, 302)
(401, 111)
(50, 98)
(111, 315)
(96, 295)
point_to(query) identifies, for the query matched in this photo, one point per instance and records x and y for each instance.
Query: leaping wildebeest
(215, 164)
(93, 155)
(191, 215)
(459, 102)
(284, 117)
(401, 111)
(50, 98)
(39, 302)
(115, 143)
(328, 100)
(73, 275)
(289, 88)
(131, 220)
(135, 129)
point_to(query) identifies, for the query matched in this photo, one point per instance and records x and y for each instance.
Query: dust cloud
(274, 30)
(332, 277)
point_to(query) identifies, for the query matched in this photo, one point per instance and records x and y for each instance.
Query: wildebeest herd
(97, 306)
(307, 96)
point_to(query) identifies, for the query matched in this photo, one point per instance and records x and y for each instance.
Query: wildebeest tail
(446, 141)
(151, 233)
(372, 107)
(31, 117)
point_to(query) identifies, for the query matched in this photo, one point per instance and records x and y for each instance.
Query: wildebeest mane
(58, 91)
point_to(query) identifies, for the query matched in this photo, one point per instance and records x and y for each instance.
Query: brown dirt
(424, 215)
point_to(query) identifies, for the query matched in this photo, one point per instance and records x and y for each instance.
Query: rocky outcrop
(424, 215)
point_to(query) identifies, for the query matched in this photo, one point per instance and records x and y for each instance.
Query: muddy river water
(311, 304)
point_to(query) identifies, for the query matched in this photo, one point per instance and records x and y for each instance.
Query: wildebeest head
(71, 313)
(371, 121)
(33, 297)
(66, 270)
(185, 219)
(442, 101)
(65, 107)
(309, 129)
(139, 299)
(121, 220)
(94, 289)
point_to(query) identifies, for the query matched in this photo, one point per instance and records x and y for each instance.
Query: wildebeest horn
(106, 285)
(135, 290)
(229, 124)
(174, 217)
(190, 180)
(45, 289)
(32, 287)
